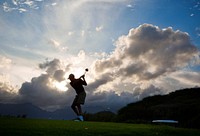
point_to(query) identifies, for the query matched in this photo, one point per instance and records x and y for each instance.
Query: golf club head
(86, 70)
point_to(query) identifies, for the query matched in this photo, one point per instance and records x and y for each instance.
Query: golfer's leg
(79, 109)
(75, 109)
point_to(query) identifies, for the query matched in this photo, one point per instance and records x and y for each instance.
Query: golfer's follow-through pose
(77, 84)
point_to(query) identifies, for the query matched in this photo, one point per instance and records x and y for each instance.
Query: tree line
(182, 105)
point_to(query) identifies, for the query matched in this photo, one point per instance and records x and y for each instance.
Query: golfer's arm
(84, 82)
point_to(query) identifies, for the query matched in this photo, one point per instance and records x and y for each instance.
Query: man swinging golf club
(79, 100)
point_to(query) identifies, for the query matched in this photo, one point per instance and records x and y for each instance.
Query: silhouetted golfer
(77, 84)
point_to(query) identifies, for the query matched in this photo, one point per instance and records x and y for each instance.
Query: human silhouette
(79, 100)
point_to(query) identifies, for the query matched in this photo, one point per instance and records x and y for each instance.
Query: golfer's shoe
(77, 120)
(81, 118)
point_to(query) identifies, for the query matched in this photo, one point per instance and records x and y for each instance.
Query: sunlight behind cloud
(61, 86)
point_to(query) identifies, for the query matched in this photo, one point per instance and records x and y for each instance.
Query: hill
(102, 116)
(182, 105)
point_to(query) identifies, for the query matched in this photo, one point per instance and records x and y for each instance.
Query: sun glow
(61, 86)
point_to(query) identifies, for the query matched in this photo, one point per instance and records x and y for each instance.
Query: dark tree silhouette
(182, 105)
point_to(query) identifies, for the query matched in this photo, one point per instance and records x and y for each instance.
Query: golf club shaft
(84, 73)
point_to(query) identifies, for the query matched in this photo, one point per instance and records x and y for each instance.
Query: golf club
(86, 70)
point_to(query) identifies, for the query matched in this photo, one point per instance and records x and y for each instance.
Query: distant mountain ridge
(31, 111)
(182, 105)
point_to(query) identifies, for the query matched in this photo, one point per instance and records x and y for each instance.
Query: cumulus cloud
(8, 93)
(147, 61)
(59, 75)
(54, 69)
(148, 52)
(103, 79)
(140, 93)
(51, 66)
(42, 90)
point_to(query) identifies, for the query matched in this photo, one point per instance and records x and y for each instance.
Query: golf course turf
(37, 127)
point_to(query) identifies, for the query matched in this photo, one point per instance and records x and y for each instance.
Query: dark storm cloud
(59, 75)
(41, 90)
(54, 68)
(7, 93)
(109, 100)
(140, 93)
(103, 79)
(51, 66)
(102, 65)
(112, 100)
(40, 93)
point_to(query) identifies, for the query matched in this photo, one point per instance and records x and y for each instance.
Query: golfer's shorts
(79, 99)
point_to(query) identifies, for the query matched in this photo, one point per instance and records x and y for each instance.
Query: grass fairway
(34, 127)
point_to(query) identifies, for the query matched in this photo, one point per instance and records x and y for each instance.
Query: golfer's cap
(71, 76)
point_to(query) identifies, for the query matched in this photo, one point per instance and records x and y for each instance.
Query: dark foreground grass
(34, 127)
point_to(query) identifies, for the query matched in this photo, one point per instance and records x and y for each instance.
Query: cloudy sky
(133, 49)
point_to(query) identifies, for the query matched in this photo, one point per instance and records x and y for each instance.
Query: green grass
(35, 127)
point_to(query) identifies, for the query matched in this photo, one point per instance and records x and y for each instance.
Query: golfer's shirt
(77, 84)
